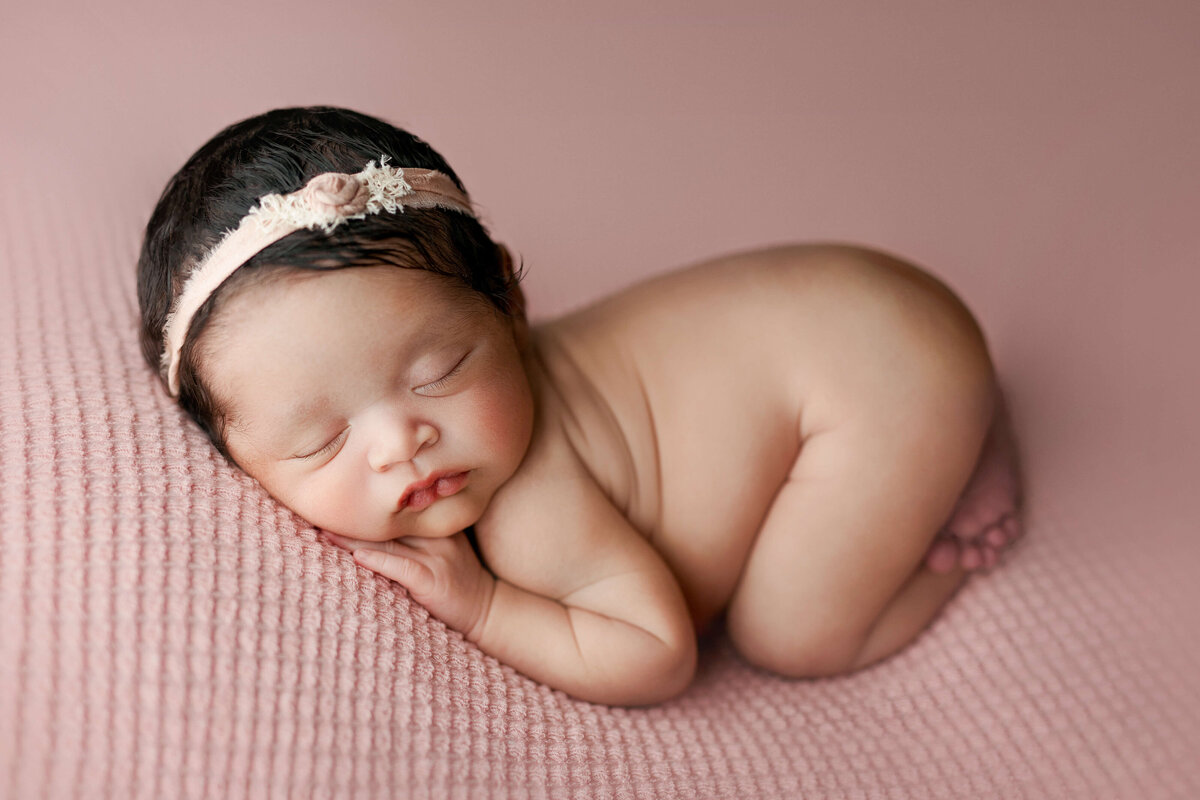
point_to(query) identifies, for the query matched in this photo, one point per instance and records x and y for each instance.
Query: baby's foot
(986, 519)
(973, 552)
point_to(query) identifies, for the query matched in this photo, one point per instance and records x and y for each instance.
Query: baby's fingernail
(364, 556)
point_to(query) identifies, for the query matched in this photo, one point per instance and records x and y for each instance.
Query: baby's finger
(395, 546)
(415, 543)
(344, 542)
(406, 571)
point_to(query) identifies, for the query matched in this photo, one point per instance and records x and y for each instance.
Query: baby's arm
(583, 603)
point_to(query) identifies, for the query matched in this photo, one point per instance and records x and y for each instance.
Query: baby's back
(688, 396)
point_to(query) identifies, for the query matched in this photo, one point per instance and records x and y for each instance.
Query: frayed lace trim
(385, 184)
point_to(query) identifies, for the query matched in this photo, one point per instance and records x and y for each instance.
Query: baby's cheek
(505, 420)
(331, 502)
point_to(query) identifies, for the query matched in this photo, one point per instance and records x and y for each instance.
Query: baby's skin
(781, 435)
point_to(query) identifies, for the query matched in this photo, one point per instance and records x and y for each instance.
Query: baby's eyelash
(442, 381)
(328, 447)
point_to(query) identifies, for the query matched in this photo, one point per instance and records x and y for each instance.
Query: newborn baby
(808, 439)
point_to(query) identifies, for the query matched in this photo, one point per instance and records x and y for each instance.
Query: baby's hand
(444, 575)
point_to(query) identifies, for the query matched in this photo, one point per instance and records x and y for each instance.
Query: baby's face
(374, 402)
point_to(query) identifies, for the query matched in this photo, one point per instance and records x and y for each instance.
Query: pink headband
(327, 200)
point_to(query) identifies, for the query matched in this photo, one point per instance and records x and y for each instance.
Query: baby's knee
(793, 650)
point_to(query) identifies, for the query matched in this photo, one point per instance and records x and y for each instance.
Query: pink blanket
(168, 631)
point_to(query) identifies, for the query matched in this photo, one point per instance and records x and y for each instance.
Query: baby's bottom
(839, 574)
(986, 519)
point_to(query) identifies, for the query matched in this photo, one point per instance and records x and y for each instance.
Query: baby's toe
(942, 555)
(966, 523)
(997, 537)
(1012, 527)
(971, 557)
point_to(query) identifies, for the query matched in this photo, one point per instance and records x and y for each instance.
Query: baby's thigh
(851, 524)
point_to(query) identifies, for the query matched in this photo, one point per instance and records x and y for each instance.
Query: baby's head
(368, 372)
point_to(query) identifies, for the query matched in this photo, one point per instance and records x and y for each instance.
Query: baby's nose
(398, 442)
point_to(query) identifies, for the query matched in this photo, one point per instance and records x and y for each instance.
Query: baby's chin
(439, 521)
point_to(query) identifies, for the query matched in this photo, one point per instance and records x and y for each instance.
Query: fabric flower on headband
(337, 194)
(331, 198)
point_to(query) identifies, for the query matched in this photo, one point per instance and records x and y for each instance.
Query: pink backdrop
(1041, 157)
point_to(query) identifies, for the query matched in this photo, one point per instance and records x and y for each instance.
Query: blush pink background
(1042, 158)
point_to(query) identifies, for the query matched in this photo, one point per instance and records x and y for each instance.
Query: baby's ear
(516, 297)
(520, 332)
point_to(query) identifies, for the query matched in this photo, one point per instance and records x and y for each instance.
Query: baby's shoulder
(549, 515)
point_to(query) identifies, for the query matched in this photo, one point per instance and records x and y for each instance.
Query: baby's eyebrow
(301, 411)
(281, 432)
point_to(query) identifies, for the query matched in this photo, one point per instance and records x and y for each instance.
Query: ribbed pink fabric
(168, 631)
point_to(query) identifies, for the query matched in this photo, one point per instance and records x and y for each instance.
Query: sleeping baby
(806, 442)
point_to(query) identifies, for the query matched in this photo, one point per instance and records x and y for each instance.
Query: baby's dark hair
(279, 152)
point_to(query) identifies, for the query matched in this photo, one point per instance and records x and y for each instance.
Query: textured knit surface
(167, 630)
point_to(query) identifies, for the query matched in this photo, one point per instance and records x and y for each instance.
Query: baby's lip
(453, 482)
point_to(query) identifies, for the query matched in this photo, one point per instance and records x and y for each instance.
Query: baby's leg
(836, 577)
(986, 518)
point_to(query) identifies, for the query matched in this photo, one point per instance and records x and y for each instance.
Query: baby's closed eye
(446, 377)
(326, 449)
